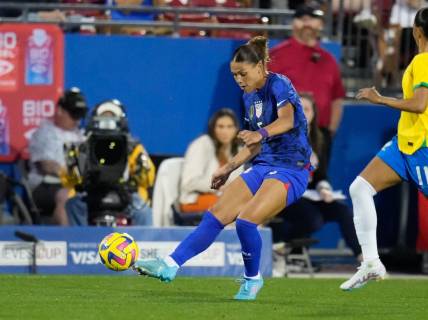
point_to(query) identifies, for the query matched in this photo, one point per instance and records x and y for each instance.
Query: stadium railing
(176, 24)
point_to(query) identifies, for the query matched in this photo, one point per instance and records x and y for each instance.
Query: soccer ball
(118, 251)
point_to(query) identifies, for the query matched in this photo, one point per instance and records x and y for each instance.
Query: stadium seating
(88, 13)
(187, 17)
(238, 19)
(165, 191)
(207, 18)
(165, 196)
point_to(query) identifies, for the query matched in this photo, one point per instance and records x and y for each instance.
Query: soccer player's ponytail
(260, 44)
(253, 51)
(421, 20)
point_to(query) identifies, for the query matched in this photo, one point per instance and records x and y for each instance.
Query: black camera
(99, 166)
(106, 152)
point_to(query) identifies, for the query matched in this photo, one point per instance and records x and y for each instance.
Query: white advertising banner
(212, 257)
(18, 253)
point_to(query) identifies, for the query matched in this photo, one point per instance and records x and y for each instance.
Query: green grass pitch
(101, 297)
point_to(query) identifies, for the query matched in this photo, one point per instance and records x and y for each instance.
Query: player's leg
(281, 187)
(270, 199)
(225, 211)
(235, 195)
(377, 176)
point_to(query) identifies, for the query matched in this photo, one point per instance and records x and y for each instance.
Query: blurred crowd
(375, 35)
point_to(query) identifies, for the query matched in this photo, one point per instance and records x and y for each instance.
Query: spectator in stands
(85, 16)
(37, 15)
(374, 41)
(76, 16)
(47, 155)
(396, 44)
(319, 204)
(203, 157)
(123, 14)
(312, 69)
(139, 177)
(366, 18)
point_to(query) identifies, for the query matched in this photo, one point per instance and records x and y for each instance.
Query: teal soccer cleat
(155, 268)
(249, 288)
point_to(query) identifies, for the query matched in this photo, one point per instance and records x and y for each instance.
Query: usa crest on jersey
(259, 108)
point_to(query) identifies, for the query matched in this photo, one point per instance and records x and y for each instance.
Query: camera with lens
(99, 166)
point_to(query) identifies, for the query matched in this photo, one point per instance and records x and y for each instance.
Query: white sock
(256, 277)
(170, 262)
(365, 219)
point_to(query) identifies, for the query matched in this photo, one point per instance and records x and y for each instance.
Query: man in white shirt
(47, 154)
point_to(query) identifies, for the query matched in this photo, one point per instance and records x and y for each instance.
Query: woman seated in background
(204, 156)
(318, 204)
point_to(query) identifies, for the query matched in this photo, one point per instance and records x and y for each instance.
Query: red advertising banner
(422, 241)
(31, 81)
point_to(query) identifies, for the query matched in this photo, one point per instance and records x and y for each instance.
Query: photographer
(111, 172)
(47, 156)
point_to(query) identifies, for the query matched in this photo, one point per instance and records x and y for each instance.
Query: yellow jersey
(413, 127)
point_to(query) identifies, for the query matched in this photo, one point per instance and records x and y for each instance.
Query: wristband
(264, 133)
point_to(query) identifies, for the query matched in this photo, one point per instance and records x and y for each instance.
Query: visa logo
(85, 257)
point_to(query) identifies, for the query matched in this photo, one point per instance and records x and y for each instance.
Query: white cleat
(366, 272)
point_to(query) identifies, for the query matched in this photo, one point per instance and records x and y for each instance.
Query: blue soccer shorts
(412, 167)
(295, 180)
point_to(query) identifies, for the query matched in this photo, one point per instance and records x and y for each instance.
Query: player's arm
(222, 174)
(284, 123)
(244, 155)
(417, 104)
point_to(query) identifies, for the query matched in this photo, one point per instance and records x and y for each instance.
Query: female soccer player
(405, 157)
(278, 147)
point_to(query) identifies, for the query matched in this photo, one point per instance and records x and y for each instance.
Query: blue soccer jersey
(290, 149)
